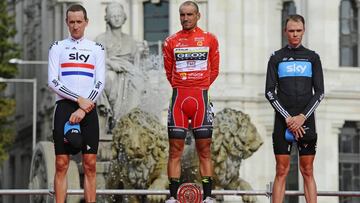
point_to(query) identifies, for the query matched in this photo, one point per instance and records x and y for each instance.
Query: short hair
(296, 18)
(76, 7)
(193, 3)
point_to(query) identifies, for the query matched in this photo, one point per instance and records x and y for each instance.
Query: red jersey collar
(195, 29)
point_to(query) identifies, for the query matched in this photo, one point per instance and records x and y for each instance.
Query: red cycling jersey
(191, 59)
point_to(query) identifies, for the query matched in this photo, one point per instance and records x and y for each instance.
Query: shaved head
(190, 3)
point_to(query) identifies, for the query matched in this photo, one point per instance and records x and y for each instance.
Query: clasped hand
(85, 104)
(77, 116)
(295, 125)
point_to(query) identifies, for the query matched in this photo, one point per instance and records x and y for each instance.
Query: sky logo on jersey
(77, 56)
(295, 69)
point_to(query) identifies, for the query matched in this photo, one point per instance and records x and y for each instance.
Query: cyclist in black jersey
(294, 87)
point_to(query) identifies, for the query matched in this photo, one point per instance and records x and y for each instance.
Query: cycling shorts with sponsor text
(190, 105)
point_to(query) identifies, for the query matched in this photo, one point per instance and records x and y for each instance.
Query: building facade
(248, 32)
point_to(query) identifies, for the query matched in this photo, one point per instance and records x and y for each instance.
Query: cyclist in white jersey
(76, 69)
(76, 73)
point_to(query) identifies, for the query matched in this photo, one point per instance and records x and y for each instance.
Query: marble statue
(124, 76)
(235, 138)
(140, 150)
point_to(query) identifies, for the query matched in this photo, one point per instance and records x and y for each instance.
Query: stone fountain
(133, 146)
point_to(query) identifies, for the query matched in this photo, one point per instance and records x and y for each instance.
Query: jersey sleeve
(53, 74)
(214, 59)
(318, 87)
(168, 56)
(270, 88)
(99, 73)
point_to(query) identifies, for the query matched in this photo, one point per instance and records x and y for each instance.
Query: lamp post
(34, 82)
(17, 61)
(20, 61)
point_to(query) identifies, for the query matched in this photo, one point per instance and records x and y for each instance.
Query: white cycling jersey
(76, 68)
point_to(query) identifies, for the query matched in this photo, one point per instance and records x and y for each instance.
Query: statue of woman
(124, 77)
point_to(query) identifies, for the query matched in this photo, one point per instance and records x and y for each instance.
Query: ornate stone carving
(124, 77)
(140, 149)
(234, 138)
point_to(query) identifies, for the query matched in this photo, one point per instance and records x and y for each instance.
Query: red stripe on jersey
(80, 65)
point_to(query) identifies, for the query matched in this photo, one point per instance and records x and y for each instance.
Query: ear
(198, 15)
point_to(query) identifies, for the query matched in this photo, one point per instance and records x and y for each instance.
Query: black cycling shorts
(89, 127)
(306, 145)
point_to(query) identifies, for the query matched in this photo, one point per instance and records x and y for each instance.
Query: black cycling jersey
(294, 81)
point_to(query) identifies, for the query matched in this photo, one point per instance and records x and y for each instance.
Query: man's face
(188, 17)
(294, 31)
(76, 23)
(116, 17)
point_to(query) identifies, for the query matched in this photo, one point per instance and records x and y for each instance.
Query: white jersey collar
(76, 40)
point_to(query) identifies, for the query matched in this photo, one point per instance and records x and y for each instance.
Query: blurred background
(248, 32)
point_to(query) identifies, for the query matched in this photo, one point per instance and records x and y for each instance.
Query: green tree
(8, 50)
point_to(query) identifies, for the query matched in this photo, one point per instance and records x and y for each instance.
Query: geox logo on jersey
(77, 56)
(191, 53)
(191, 56)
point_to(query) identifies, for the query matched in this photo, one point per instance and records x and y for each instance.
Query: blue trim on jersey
(77, 73)
(295, 69)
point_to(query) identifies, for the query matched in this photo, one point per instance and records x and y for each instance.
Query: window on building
(289, 8)
(348, 33)
(156, 23)
(349, 160)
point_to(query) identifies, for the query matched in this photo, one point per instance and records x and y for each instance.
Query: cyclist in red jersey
(191, 59)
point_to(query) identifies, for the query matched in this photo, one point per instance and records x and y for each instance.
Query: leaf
(8, 50)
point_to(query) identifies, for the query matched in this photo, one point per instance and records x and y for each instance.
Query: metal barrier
(166, 192)
(266, 193)
(123, 192)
